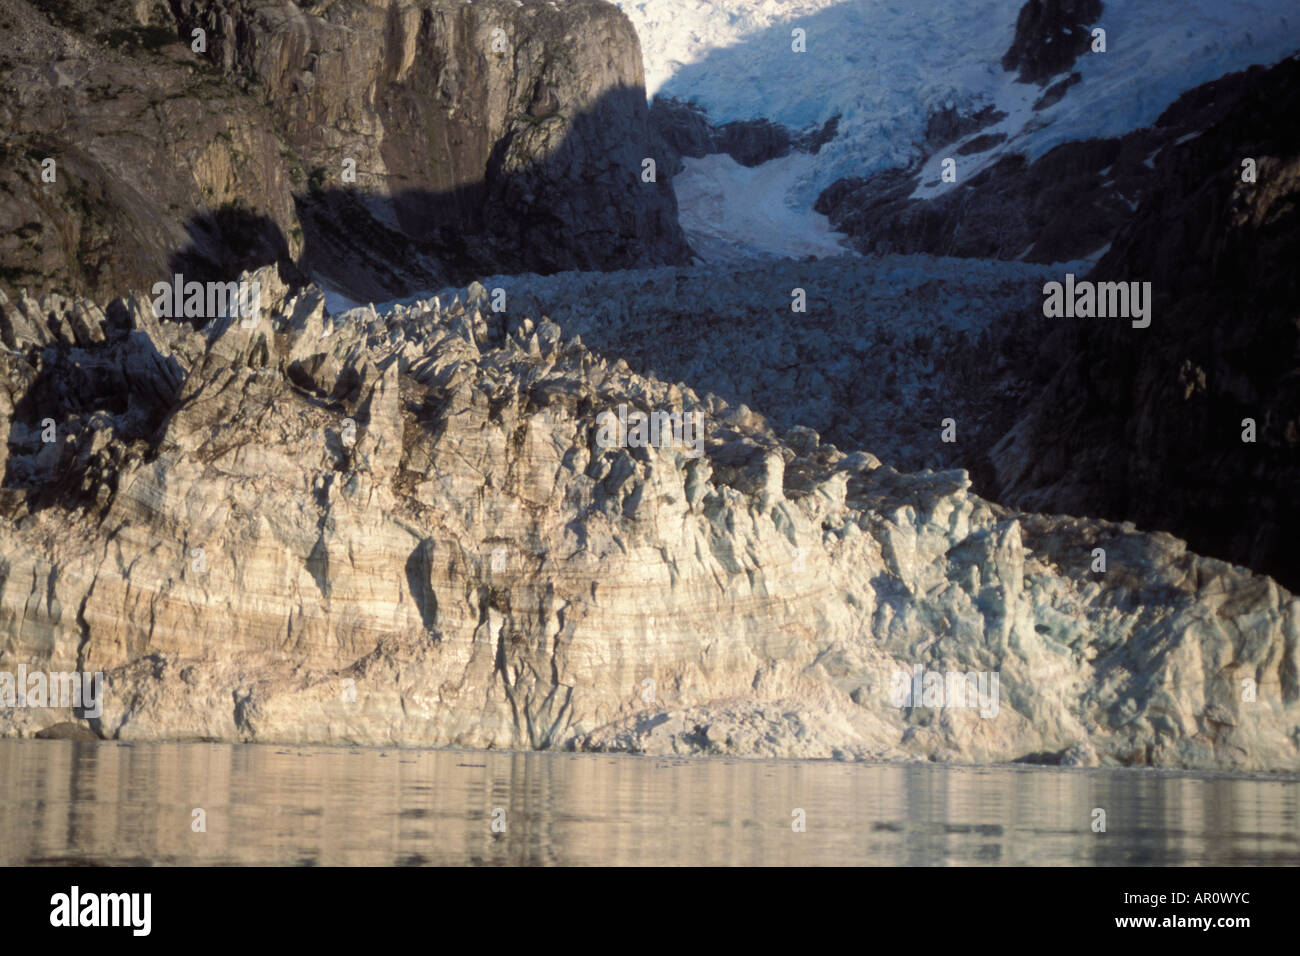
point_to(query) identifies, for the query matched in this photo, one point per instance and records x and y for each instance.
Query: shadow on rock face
(228, 241)
(549, 198)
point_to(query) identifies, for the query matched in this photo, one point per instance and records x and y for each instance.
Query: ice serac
(401, 529)
(383, 145)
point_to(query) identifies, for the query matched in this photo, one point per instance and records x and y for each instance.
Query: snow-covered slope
(730, 212)
(884, 65)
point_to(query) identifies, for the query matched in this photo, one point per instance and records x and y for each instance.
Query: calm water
(64, 802)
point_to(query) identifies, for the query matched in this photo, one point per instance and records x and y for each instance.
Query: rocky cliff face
(154, 161)
(1148, 424)
(384, 146)
(404, 529)
(495, 135)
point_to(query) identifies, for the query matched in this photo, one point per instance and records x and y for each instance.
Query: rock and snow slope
(886, 67)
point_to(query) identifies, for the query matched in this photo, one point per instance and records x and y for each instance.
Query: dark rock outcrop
(67, 730)
(1147, 424)
(1056, 92)
(950, 124)
(1050, 36)
(686, 130)
(1011, 210)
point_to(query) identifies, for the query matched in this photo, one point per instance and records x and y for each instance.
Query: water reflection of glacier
(107, 803)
